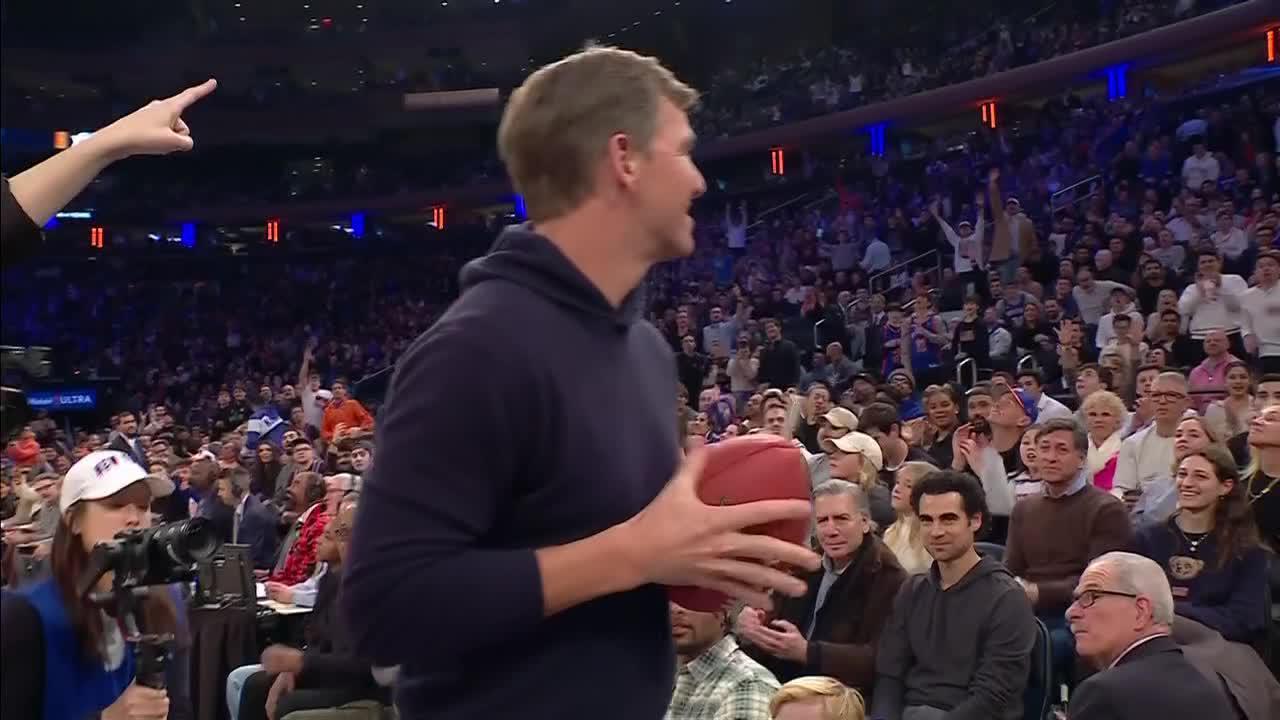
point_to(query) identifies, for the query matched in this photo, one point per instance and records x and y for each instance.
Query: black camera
(154, 556)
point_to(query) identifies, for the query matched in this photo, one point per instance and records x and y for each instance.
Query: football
(746, 469)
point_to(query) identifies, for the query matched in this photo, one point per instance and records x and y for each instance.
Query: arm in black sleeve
(321, 669)
(21, 658)
(20, 237)
(434, 493)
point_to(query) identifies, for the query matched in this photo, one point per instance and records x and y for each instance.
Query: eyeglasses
(1166, 396)
(1087, 598)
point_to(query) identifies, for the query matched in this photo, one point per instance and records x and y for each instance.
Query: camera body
(160, 555)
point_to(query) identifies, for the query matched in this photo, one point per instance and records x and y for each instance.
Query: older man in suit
(1121, 616)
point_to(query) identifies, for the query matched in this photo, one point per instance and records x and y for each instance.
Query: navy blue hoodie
(532, 414)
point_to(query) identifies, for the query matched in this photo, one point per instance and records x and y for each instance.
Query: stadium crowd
(1105, 281)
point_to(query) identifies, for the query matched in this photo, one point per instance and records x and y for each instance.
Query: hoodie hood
(528, 259)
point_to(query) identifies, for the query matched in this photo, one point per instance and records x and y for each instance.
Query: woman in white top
(1231, 415)
(905, 537)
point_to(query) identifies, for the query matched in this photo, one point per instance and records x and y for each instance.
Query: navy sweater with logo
(532, 414)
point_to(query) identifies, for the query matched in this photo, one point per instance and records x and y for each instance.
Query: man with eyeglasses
(1144, 469)
(1121, 615)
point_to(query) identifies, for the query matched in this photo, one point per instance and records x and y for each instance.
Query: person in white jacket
(1212, 302)
(966, 238)
(1145, 463)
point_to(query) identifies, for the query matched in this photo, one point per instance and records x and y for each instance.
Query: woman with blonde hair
(816, 697)
(1104, 414)
(904, 536)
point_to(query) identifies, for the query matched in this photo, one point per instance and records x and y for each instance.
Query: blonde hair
(839, 702)
(1108, 400)
(557, 124)
(914, 469)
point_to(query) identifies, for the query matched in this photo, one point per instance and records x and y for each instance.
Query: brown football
(746, 469)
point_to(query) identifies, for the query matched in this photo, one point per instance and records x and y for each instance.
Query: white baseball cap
(103, 473)
(860, 443)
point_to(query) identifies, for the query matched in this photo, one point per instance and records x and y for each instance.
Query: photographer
(63, 657)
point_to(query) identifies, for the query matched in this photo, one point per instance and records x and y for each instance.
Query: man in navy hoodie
(510, 537)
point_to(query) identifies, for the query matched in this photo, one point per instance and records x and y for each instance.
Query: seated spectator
(1121, 614)
(302, 458)
(1144, 468)
(1209, 378)
(856, 458)
(327, 673)
(882, 423)
(932, 431)
(958, 643)
(1052, 537)
(716, 678)
(1104, 419)
(297, 559)
(254, 523)
(817, 698)
(834, 628)
(343, 413)
(1047, 408)
(817, 402)
(904, 537)
(1027, 482)
(266, 470)
(1232, 414)
(362, 458)
(1210, 548)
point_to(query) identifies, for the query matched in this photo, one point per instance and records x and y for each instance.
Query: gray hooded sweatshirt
(965, 650)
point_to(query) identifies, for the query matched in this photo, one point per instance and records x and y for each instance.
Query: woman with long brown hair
(1210, 549)
(65, 658)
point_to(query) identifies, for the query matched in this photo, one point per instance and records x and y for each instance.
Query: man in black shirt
(970, 337)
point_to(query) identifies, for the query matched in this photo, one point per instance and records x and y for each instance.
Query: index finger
(191, 95)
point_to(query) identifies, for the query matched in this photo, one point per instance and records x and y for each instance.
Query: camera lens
(186, 542)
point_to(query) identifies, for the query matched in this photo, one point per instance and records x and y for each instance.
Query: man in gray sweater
(958, 643)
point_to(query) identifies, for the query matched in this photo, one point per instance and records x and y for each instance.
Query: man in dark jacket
(958, 644)
(835, 627)
(1121, 616)
(327, 673)
(780, 360)
(253, 523)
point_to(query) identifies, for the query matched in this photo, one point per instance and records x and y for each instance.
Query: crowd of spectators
(942, 44)
(1117, 447)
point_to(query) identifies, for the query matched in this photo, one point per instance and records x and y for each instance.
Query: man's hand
(280, 592)
(993, 175)
(960, 437)
(156, 128)
(42, 550)
(783, 640)
(283, 685)
(139, 702)
(281, 659)
(1251, 344)
(680, 540)
(750, 620)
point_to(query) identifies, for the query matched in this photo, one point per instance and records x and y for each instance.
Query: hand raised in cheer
(680, 540)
